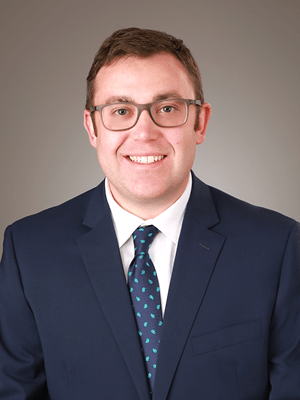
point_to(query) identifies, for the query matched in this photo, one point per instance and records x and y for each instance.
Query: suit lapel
(100, 252)
(197, 253)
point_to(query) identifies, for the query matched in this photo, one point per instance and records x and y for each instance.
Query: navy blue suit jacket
(232, 321)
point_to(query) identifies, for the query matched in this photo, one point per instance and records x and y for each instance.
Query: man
(224, 283)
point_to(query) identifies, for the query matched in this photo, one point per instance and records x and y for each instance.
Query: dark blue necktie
(145, 295)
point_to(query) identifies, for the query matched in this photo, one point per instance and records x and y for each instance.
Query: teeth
(145, 160)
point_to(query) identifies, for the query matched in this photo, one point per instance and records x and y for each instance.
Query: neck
(146, 208)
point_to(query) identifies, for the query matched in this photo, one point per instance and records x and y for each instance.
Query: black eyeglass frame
(147, 107)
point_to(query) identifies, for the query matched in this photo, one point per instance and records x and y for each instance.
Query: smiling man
(147, 165)
(153, 284)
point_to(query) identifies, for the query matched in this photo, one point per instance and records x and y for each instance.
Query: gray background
(248, 53)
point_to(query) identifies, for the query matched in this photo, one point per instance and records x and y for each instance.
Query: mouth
(146, 159)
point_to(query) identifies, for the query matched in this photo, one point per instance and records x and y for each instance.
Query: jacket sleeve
(284, 335)
(22, 374)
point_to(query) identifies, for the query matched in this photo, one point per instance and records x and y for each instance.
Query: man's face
(152, 185)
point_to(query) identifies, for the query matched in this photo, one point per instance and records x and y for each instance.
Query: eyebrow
(127, 99)
(169, 95)
(119, 99)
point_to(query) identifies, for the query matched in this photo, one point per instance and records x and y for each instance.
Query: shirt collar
(169, 222)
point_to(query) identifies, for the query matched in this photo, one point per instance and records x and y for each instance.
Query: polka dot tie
(145, 295)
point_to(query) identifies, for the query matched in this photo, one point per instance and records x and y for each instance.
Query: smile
(145, 159)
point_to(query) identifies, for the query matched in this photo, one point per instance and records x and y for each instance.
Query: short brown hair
(142, 43)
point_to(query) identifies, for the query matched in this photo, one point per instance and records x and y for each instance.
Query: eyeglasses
(165, 113)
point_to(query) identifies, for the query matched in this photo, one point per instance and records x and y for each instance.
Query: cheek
(186, 150)
(105, 152)
(185, 144)
(109, 143)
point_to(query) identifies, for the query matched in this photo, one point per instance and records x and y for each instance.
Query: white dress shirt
(164, 246)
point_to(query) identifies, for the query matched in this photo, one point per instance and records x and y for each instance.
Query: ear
(89, 126)
(204, 116)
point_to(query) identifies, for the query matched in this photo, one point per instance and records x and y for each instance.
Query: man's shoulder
(67, 215)
(235, 212)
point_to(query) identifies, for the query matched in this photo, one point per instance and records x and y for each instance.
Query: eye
(121, 111)
(167, 109)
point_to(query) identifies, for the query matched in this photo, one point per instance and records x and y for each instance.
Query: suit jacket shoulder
(64, 220)
(236, 208)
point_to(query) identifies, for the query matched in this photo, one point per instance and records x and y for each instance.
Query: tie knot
(143, 238)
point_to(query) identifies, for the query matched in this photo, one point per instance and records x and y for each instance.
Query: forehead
(143, 79)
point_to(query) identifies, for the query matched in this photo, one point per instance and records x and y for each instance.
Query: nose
(145, 129)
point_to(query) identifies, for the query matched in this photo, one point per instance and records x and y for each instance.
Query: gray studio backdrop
(249, 56)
